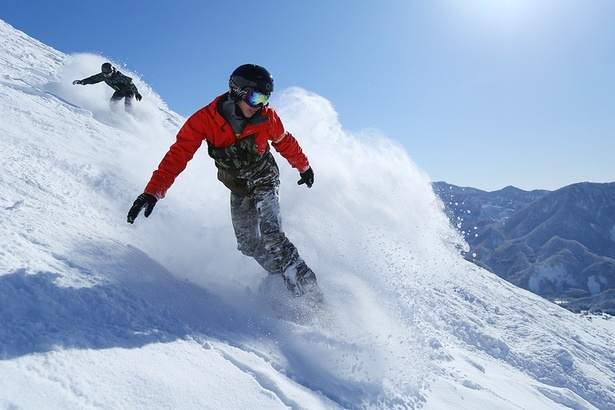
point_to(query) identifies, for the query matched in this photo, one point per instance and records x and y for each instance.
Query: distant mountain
(558, 244)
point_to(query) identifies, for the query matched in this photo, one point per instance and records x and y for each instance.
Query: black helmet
(106, 68)
(249, 77)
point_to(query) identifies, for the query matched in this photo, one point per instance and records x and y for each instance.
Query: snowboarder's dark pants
(256, 220)
(118, 95)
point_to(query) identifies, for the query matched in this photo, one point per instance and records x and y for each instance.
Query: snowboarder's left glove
(307, 177)
(143, 201)
(138, 96)
(77, 82)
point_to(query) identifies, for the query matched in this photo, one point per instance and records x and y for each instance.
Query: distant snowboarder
(122, 84)
(239, 127)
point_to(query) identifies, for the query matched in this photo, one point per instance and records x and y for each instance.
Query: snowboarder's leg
(257, 226)
(257, 229)
(128, 102)
(274, 245)
(115, 99)
(278, 253)
(245, 223)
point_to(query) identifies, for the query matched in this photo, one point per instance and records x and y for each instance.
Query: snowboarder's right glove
(307, 177)
(138, 96)
(143, 201)
(77, 82)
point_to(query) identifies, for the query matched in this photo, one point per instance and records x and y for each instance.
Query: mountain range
(558, 244)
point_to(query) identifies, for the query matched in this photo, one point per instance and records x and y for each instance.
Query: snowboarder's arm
(124, 79)
(131, 86)
(289, 148)
(188, 141)
(284, 143)
(136, 92)
(96, 78)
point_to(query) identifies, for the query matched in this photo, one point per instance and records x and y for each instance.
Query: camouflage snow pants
(257, 225)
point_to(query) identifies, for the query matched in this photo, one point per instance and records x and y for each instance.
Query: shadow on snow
(139, 302)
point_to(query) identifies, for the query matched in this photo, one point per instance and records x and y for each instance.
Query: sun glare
(505, 14)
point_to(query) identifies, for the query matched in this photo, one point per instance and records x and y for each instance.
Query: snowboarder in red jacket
(122, 84)
(239, 127)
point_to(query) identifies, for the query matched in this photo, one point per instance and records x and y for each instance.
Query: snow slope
(166, 313)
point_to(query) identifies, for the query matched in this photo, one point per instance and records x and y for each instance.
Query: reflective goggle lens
(256, 99)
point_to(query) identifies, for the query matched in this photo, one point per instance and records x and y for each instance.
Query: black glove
(307, 177)
(138, 96)
(143, 201)
(77, 82)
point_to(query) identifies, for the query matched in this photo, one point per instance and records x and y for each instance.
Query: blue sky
(482, 93)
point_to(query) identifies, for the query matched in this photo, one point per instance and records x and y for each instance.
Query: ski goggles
(256, 99)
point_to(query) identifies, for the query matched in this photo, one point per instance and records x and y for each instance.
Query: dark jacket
(117, 81)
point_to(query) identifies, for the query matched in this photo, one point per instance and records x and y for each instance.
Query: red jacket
(207, 124)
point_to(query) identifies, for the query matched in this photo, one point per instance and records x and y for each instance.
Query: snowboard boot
(300, 280)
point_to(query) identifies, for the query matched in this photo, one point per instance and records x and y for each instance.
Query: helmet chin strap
(236, 98)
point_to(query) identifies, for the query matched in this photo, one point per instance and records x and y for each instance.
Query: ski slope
(166, 313)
